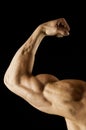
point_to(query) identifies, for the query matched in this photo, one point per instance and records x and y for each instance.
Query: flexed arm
(18, 77)
(23, 61)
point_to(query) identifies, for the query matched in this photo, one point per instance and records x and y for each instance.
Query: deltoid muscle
(46, 92)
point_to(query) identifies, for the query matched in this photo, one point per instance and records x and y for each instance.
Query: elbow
(9, 81)
(5, 79)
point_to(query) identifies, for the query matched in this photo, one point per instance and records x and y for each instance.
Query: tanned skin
(46, 92)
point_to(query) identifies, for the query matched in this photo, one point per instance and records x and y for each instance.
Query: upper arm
(35, 86)
(31, 89)
(37, 83)
(34, 83)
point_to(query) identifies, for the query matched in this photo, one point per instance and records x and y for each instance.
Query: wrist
(42, 29)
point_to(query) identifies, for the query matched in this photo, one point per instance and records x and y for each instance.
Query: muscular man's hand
(58, 27)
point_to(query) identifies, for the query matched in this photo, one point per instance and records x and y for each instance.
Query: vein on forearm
(32, 44)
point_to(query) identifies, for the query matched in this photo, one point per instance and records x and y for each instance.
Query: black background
(64, 58)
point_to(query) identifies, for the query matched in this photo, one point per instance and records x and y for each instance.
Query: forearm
(29, 48)
(33, 42)
(23, 60)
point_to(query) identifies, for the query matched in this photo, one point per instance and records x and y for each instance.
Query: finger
(62, 33)
(61, 23)
(65, 24)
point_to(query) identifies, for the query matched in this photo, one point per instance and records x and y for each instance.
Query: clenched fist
(58, 27)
